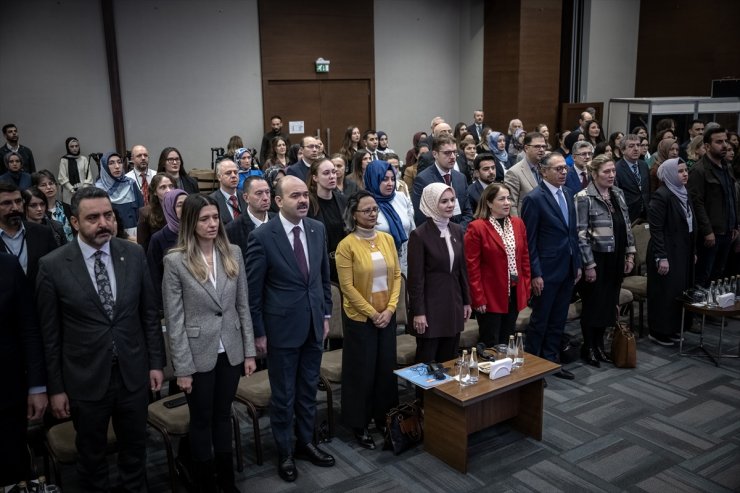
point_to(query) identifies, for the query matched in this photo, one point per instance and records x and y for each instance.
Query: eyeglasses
(368, 211)
(539, 147)
(557, 169)
(448, 153)
(173, 159)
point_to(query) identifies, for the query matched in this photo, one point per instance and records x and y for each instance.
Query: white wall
(190, 75)
(54, 81)
(428, 62)
(609, 61)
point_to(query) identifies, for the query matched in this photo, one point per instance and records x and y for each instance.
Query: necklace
(371, 242)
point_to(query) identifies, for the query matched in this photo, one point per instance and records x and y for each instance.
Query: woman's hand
(590, 274)
(383, 319)
(249, 366)
(481, 309)
(420, 324)
(185, 384)
(467, 312)
(663, 267)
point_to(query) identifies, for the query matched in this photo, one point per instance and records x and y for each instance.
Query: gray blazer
(198, 315)
(520, 181)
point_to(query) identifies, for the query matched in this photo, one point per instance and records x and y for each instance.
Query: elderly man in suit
(555, 261)
(633, 177)
(27, 241)
(231, 205)
(102, 339)
(290, 302)
(22, 367)
(257, 197)
(444, 153)
(476, 128)
(524, 176)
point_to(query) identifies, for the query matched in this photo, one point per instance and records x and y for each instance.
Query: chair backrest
(402, 317)
(206, 178)
(641, 232)
(336, 324)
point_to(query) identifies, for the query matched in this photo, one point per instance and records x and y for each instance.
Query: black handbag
(403, 427)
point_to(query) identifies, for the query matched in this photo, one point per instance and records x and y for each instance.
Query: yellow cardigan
(355, 270)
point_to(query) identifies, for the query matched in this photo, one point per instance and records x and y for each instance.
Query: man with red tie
(141, 173)
(230, 203)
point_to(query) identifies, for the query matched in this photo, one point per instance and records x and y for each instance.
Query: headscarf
(380, 135)
(429, 204)
(271, 175)
(664, 146)
(170, 199)
(502, 156)
(121, 189)
(515, 147)
(668, 174)
(374, 176)
(72, 172)
(16, 175)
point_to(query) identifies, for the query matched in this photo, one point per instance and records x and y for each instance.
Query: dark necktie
(300, 255)
(584, 179)
(536, 174)
(234, 205)
(105, 292)
(638, 178)
(145, 188)
(447, 178)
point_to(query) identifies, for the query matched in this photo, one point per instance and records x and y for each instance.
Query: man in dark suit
(444, 152)
(231, 205)
(27, 241)
(549, 214)
(290, 302)
(633, 177)
(310, 147)
(257, 197)
(476, 128)
(10, 131)
(102, 339)
(23, 370)
(485, 165)
(276, 130)
(578, 175)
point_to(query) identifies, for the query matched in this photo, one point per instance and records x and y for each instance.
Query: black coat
(238, 231)
(636, 195)
(669, 238)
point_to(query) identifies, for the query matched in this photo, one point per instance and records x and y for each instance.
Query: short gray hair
(582, 144)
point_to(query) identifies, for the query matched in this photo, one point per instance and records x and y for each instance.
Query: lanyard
(20, 251)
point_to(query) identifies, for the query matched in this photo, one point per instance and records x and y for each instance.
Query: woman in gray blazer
(210, 334)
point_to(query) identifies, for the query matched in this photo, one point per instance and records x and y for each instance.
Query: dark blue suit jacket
(474, 192)
(458, 183)
(553, 245)
(573, 180)
(636, 195)
(283, 306)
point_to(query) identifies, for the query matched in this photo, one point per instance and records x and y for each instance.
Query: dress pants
(710, 263)
(547, 323)
(15, 463)
(210, 409)
(495, 328)
(439, 349)
(369, 386)
(128, 411)
(294, 380)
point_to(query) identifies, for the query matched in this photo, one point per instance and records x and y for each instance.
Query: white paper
(296, 127)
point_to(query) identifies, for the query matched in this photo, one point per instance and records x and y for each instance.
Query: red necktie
(447, 179)
(300, 255)
(145, 188)
(234, 205)
(584, 180)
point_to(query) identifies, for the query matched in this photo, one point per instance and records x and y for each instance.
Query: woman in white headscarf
(439, 299)
(671, 251)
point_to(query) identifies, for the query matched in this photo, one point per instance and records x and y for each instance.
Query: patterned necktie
(563, 205)
(584, 179)
(300, 255)
(105, 292)
(145, 188)
(447, 178)
(234, 205)
(638, 178)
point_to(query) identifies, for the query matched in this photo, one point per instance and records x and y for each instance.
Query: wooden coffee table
(705, 311)
(452, 413)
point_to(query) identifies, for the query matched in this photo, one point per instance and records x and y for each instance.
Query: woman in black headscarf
(74, 170)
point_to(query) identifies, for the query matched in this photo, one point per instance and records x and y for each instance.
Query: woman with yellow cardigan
(370, 280)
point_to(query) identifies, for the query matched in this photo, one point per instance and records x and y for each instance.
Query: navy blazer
(573, 179)
(637, 195)
(553, 246)
(239, 229)
(284, 306)
(474, 192)
(458, 183)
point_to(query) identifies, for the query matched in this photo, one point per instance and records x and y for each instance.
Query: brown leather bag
(624, 347)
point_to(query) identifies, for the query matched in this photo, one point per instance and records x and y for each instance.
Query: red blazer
(487, 266)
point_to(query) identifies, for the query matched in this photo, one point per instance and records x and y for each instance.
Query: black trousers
(369, 386)
(210, 409)
(495, 328)
(128, 411)
(439, 349)
(15, 463)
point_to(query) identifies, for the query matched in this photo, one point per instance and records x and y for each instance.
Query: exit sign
(322, 66)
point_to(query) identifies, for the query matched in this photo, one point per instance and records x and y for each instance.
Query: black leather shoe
(311, 452)
(589, 356)
(364, 439)
(286, 469)
(602, 355)
(564, 374)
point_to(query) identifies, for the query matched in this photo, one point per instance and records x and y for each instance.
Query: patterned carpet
(672, 424)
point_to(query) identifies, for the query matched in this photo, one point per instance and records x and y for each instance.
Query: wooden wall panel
(684, 44)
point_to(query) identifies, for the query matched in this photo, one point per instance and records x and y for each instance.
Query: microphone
(481, 347)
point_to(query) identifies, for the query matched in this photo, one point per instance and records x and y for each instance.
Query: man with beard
(524, 176)
(141, 173)
(485, 165)
(102, 341)
(10, 131)
(290, 302)
(276, 130)
(25, 240)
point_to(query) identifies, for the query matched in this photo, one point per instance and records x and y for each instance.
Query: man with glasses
(310, 148)
(443, 171)
(554, 258)
(524, 176)
(578, 176)
(633, 177)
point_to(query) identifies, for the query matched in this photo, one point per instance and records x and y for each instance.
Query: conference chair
(637, 283)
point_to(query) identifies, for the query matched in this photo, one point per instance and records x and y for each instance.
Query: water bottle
(511, 350)
(519, 360)
(464, 369)
(474, 372)
(712, 301)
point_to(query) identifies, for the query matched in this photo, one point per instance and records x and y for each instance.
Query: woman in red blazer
(498, 265)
